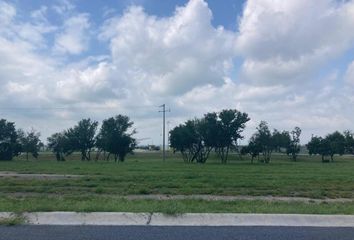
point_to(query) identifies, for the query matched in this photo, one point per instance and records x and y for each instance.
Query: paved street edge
(188, 219)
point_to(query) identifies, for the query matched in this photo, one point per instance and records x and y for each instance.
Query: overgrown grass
(147, 174)
(171, 207)
(15, 219)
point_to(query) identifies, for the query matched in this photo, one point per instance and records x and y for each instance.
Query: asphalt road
(42, 232)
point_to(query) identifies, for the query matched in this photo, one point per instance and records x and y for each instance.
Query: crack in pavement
(149, 218)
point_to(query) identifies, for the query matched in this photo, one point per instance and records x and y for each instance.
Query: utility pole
(163, 106)
(168, 135)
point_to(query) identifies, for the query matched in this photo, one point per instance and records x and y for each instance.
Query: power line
(73, 108)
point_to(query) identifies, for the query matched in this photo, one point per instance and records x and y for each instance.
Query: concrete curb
(188, 219)
(254, 220)
(97, 218)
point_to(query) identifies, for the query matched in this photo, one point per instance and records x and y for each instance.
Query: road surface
(43, 232)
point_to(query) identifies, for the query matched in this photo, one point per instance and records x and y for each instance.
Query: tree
(208, 133)
(349, 142)
(314, 145)
(281, 140)
(293, 147)
(229, 127)
(187, 139)
(182, 139)
(261, 142)
(60, 145)
(82, 137)
(329, 146)
(195, 138)
(254, 148)
(264, 140)
(9, 146)
(114, 137)
(30, 142)
(336, 144)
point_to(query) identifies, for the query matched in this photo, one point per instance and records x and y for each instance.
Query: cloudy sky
(290, 63)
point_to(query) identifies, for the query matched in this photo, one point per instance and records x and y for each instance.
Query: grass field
(103, 184)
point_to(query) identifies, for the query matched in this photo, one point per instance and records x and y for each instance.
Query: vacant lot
(104, 183)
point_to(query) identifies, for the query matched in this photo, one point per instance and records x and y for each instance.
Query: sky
(290, 63)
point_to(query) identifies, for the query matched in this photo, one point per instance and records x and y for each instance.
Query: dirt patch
(163, 197)
(235, 198)
(37, 176)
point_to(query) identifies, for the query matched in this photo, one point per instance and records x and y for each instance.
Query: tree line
(196, 138)
(218, 132)
(334, 143)
(264, 142)
(114, 138)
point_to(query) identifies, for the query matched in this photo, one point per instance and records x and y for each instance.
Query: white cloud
(287, 41)
(40, 14)
(74, 39)
(349, 76)
(170, 55)
(7, 13)
(183, 61)
(84, 84)
(30, 33)
(63, 7)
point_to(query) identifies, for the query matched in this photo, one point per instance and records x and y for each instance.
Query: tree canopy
(60, 145)
(219, 131)
(115, 137)
(334, 143)
(82, 137)
(9, 145)
(293, 147)
(30, 142)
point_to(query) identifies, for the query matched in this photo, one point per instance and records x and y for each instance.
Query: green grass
(146, 174)
(103, 182)
(171, 207)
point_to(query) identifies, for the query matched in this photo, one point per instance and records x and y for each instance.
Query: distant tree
(349, 142)
(206, 130)
(30, 142)
(114, 137)
(195, 138)
(293, 147)
(60, 145)
(101, 146)
(229, 127)
(254, 148)
(9, 145)
(261, 142)
(82, 137)
(281, 140)
(336, 144)
(182, 139)
(187, 139)
(314, 145)
(264, 140)
(329, 146)
(219, 131)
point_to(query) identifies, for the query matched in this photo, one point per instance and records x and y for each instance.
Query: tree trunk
(98, 155)
(227, 153)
